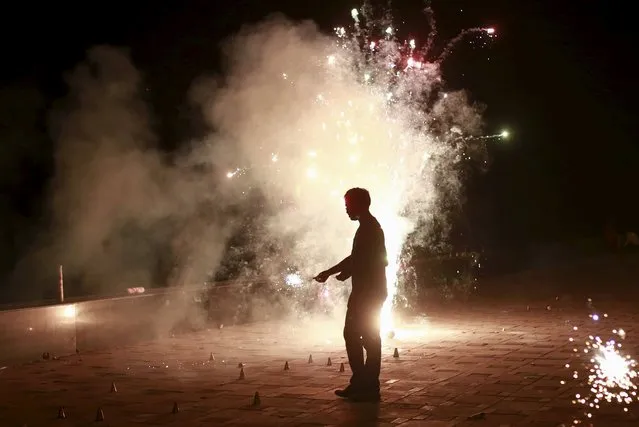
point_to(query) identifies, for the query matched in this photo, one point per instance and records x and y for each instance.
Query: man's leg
(372, 342)
(354, 350)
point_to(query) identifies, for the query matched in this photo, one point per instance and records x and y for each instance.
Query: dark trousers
(361, 332)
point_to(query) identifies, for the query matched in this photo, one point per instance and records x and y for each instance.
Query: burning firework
(294, 280)
(364, 109)
(607, 374)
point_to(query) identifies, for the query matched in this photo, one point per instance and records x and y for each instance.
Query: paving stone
(507, 363)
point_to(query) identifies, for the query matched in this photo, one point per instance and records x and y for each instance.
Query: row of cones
(310, 359)
(329, 362)
(62, 415)
(287, 367)
(99, 416)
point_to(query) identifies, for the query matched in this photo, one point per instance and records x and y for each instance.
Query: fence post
(61, 285)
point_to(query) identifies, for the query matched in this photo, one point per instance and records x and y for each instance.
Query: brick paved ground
(506, 362)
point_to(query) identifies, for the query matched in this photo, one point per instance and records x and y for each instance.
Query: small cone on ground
(256, 399)
(211, 357)
(175, 409)
(396, 352)
(310, 358)
(99, 416)
(329, 362)
(61, 414)
(286, 368)
(242, 373)
(341, 367)
(114, 389)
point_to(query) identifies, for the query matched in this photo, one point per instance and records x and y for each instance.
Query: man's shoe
(346, 392)
(365, 396)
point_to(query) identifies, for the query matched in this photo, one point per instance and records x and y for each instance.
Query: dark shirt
(369, 261)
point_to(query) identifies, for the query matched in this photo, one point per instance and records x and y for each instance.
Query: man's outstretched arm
(343, 268)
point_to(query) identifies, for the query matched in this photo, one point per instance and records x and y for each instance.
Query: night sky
(561, 76)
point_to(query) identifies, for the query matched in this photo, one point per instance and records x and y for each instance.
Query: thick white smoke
(303, 116)
(298, 117)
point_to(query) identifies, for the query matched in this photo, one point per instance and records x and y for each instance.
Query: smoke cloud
(302, 117)
(122, 212)
(296, 119)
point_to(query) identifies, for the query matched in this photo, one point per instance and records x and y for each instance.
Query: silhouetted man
(366, 265)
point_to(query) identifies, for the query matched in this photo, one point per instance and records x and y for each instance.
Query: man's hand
(342, 269)
(343, 276)
(322, 277)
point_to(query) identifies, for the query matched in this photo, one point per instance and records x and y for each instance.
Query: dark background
(560, 76)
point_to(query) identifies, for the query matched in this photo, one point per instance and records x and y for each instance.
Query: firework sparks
(293, 280)
(486, 32)
(607, 375)
(501, 135)
(361, 116)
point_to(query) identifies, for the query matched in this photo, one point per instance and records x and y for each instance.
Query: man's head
(357, 201)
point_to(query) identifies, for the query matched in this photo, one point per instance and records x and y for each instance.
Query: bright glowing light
(311, 173)
(355, 15)
(610, 375)
(69, 311)
(293, 280)
(504, 134)
(490, 30)
(612, 370)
